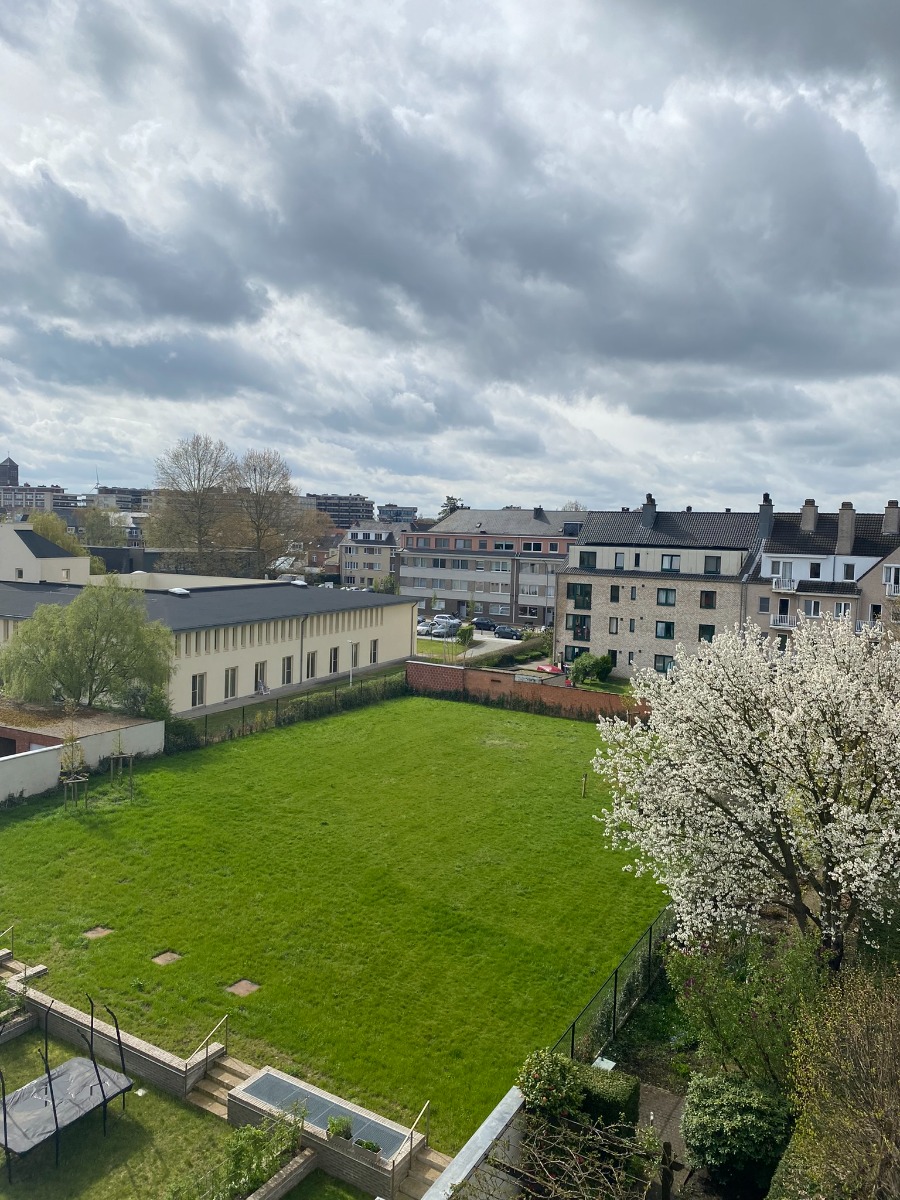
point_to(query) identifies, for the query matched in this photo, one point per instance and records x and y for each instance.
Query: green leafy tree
(92, 651)
(465, 637)
(590, 666)
(100, 529)
(736, 1130)
(451, 505)
(53, 528)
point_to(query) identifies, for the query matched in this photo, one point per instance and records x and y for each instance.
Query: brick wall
(463, 682)
(25, 740)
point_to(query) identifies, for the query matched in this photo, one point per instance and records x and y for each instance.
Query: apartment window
(712, 564)
(198, 690)
(440, 563)
(662, 663)
(631, 625)
(462, 544)
(373, 650)
(763, 604)
(478, 606)
(441, 543)
(815, 570)
(849, 570)
(311, 664)
(500, 565)
(499, 610)
(580, 594)
(482, 545)
(333, 659)
(20, 573)
(613, 657)
(634, 593)
(811, 608)
(231, 683)
(259, 677)
(671, 562)
(665, 597)
(614, 593)
(587, 559)
(874, 612)
(287, 670)
(631, 658)
(532, 547)
(66, 573)
(665, 629)
(527, 610)
(776, 566)
(529, 589)
(570, 653)
(571, 528)
(420, 581)
(613, 624)
(842, 608)
(504, 546)
(707, 599)
(706, 633)
(423, 543)
(354, 654)
(620, 560)
(554, 547)
(637, 560)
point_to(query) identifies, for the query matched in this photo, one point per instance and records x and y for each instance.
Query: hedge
(610, 1096)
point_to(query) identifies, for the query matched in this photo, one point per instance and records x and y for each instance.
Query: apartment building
(343, 510)
(501, 563)
(397, 513)
(368, 552)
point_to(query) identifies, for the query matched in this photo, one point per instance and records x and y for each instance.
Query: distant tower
(9, 473)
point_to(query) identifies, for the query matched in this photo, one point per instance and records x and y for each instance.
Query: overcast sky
(518, 252)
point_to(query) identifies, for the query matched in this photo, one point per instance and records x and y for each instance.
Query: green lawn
(146, 1147)
(418, 888)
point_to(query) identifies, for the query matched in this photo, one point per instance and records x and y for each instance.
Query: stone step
(208, 1104)
(428, 1156)
(414, 1186)
(425, 1171)
(227, 1079)
(235, 1066)
(211, 1087)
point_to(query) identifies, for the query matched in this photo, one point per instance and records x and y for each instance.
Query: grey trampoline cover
(29, 1113)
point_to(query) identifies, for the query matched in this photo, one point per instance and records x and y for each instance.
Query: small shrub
(735, 1130)
(551, 1084)
(181, 735)
(340, 1127)
(366, 1145)
(612, 1097)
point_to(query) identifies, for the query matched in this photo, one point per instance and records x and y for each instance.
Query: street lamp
(350, 644)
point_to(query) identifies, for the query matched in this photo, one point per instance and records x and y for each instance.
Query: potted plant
(366, 1149)
(340, 1127)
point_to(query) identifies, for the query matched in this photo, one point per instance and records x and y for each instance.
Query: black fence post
(276, 710)
(572, 1051)
(242, 720)
(649, 954)
(206, 730)
(615, 999)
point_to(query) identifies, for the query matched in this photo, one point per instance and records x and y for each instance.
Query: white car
(423, 629)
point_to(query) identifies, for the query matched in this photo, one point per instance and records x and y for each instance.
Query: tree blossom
(765, 778)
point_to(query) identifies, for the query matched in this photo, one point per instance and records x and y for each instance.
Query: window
(373, 650)
(570, 653)
(614, 593)
(527, 610)
(706, 633)
(231, 683)
(441, 543)
(671, 562)
(462, 544)
(665, 629)
(532, 547)
(333, 659)
(287, 670)
(613, 624)
(571, 528)
(712, 564)
(620, 560)
(554, 547)
(763, 604)
(503, 546)
(420, 581)
(580, 594)
(634, 593)
(874, 612)
(482, 545)
(66, 573)
(499, 610)
(423, 543)
(637, 561)
(613, 657)
(440, 563)
(198, 690)
(587, 560)
(20, 573)
(529, 589)
(259, 677)
(500, 565)
(811, 608)
(311, 664)
(459, 564)
(631, 658)
(842, 608)
(707, 599)
(849, 570)
(631, 625)
(665, 597)
(815, 570)
(662, 663)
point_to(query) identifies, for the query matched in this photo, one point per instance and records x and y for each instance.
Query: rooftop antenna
(96, 487)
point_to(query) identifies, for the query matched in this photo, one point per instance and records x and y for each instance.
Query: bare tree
(267, 503)
(574, 506)
(192, 476)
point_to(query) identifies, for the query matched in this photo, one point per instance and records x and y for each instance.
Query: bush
(735, 1130)
(181, 735)
(612, 1097)
(590, 666)
(551, 1084)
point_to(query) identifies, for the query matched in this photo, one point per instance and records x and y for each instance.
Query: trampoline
(40, 1109)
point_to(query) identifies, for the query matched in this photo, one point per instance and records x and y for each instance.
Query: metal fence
(605, 1013)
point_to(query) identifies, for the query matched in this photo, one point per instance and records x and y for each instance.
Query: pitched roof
(204, 608)
(516, 522)
(42, 547)
(788, 538)
(706, 530)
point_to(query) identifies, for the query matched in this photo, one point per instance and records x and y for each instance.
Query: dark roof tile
(706, 530)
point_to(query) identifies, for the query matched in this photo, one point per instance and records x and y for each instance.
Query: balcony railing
(783, 583)
(861, 625)
(892, 589)
(778, 622)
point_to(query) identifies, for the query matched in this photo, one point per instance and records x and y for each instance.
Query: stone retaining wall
(288, 1177)
(166, 1071)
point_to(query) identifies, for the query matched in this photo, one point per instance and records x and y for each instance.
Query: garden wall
(36, 771)
(168, 1072)
(489, 685)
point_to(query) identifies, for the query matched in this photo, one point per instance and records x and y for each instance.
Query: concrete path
(666, 1109)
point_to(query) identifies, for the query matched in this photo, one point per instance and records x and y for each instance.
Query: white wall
(147, 738)
(37, 771)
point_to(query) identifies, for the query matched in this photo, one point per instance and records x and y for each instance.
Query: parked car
(443, 618)
(507, 631)
(444, 630)
(484, 623)
(424, 628)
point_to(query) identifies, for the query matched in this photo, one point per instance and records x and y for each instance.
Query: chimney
(648, 512)
(846, 532)
(538, 513)
(766, 517)
(891, 523)
(808, 515)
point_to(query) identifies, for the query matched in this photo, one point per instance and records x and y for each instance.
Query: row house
(368, 553)
(501, 563)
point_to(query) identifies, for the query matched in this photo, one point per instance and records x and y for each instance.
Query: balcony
(783, 583)
(892, 589)
(776, 621)
(861, 625)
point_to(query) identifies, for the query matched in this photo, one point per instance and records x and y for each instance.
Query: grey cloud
(21, 23)
(109, 42)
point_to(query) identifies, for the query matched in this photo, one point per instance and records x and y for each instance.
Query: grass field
(418, 888)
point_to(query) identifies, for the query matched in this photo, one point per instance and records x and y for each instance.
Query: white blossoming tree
(766, 779)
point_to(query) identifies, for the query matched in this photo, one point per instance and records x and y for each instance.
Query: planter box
(370, 1156)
